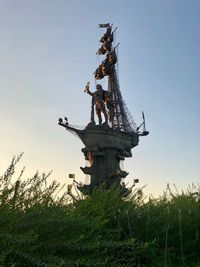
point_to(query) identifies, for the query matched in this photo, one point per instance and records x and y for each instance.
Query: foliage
(41, 225)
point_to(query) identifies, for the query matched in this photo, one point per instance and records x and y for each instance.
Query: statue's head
(99, 87)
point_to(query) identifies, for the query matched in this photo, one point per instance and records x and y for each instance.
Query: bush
(41, 225)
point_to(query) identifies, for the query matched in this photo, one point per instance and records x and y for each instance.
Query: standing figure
(99, 101)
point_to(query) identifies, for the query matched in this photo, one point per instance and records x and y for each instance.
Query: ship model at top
(111, 133)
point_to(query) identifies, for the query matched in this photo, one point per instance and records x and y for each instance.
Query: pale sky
(48, 53)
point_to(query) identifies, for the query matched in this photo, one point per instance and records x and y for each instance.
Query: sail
(107, 40)
(112, 57)
(121, 119)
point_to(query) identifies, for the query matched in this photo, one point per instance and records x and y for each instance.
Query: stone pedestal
(104, 149)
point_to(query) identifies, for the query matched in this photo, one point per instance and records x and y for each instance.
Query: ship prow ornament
(109, 140)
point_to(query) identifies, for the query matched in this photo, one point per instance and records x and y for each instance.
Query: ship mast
(122, 118)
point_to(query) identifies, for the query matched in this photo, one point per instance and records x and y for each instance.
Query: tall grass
(42, 224)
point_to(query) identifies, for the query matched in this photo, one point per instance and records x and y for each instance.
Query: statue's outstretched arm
(90, 93)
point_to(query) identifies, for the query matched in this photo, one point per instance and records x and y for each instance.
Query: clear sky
(48, 53)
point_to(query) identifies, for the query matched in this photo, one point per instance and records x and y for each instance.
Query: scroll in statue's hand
(87, 87)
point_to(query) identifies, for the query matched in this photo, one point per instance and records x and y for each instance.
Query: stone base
(104, 149)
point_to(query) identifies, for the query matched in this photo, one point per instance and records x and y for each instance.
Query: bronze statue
(99, 102)
(102, 97)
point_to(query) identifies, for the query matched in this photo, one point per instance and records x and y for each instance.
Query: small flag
(106, 25)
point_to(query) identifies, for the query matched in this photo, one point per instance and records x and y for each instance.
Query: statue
(107, 145)
(102, 97)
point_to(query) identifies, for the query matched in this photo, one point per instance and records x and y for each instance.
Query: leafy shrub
(41, 225)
